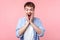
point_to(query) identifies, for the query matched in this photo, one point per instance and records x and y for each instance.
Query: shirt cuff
(41, 34)
(18, 35)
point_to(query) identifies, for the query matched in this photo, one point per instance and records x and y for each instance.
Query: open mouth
(29, 15)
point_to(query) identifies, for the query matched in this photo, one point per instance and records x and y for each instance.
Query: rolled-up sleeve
(39, 24)
(19, 25)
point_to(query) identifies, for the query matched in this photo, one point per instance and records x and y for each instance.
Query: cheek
(32, 11)
(26, 12)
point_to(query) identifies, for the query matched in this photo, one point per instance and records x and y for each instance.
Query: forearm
(36, 28)
(22, 30)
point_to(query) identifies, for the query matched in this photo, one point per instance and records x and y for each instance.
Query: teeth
(29, 15)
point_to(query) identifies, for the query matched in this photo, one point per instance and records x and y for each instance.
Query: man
(29, 27)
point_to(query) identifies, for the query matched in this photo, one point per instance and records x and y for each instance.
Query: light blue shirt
(36, 21)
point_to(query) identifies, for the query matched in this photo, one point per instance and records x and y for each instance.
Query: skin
(29, 10)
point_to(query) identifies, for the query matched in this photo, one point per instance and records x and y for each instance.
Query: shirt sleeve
(39, 24)
(19, 25)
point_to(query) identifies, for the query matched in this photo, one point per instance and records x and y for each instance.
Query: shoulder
(21, 21)
(36, 19)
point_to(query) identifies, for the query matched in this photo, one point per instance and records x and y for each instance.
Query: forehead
(28, 7)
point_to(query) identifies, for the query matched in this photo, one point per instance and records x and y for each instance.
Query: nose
(29, 11)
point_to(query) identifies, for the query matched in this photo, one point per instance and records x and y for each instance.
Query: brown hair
(30, 4)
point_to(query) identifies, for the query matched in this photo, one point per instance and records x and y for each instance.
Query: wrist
(31, 22)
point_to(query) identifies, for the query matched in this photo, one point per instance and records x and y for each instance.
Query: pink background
(47, 10)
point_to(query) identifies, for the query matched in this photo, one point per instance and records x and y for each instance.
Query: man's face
(29, 11)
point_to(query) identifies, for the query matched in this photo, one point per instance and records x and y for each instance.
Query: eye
(26, 9)
(31, 9)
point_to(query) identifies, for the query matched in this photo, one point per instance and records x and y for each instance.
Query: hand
(31, 19)
(27, 18)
